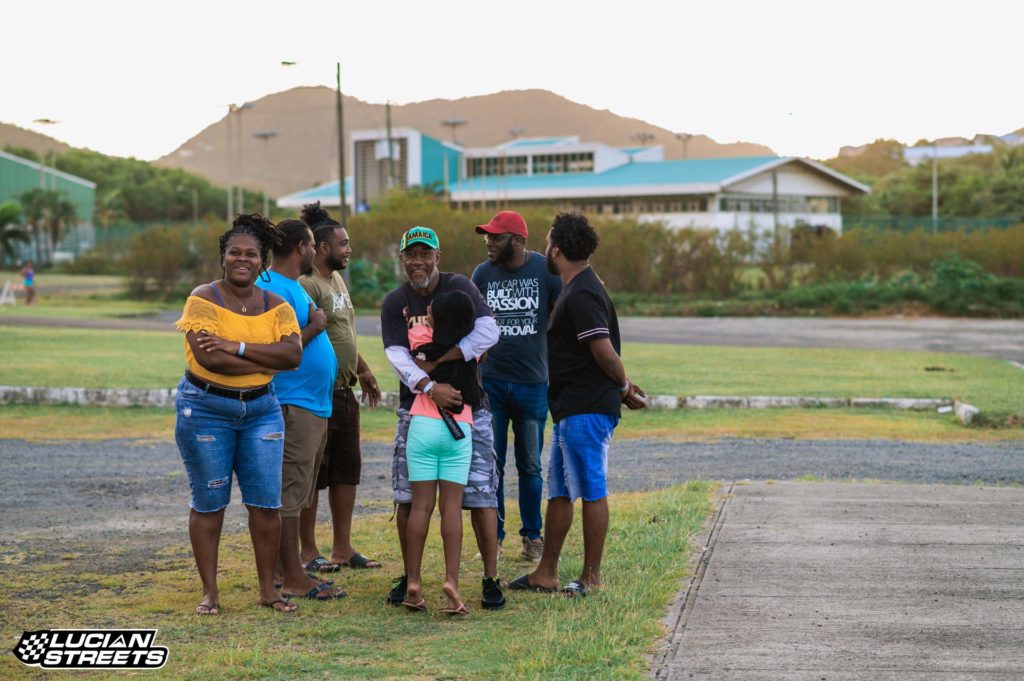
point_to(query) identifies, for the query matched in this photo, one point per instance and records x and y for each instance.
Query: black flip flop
(360, 562)
(314, 594)
(523, 584)
(575, 589)
(321, 564)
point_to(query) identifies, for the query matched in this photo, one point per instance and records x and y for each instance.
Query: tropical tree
(11, 231)
(49, 213)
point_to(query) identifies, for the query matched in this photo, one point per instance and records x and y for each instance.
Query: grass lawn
(101, 358)
(77, 282)
(605, 636)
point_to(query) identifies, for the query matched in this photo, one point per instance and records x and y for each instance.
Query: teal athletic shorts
(433, 454)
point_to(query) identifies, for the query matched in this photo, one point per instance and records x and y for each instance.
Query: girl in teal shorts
(440, 446)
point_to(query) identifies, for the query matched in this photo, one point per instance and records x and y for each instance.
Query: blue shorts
(220, 435)
(579, 457)
(433, 454)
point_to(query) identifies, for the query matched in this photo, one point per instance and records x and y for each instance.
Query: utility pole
(341, 154)
(265, 135)
(935, 189)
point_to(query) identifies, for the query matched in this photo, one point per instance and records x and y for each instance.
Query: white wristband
(427, 387)
(241, 349)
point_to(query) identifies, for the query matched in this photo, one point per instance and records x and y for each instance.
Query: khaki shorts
(305, 437)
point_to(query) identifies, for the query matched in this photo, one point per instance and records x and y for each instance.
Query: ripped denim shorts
(218, 436)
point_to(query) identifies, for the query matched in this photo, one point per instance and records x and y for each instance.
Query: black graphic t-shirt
(403, 309)
(582, 313)
(521, 300)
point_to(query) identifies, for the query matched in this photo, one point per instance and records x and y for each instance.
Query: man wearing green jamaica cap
(404, 314)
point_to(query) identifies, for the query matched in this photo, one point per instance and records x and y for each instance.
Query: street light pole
(231, 166)
(45, 156)
(265, 135)
(241, 184)
(454, 124)
(341, 154)
(684, 137)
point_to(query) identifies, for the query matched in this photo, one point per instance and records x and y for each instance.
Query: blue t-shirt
(521, 300)
(311, 385)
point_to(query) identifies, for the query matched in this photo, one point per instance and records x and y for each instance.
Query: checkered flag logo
(32, 646)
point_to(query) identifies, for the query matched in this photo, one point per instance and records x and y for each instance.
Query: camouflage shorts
(482, 488)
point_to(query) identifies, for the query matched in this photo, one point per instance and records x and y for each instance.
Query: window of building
(554, 164)
(765, 203)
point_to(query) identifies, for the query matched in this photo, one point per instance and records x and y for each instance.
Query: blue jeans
(220, 435)
(526, 406)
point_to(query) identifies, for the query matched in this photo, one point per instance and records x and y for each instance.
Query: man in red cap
(520, 291)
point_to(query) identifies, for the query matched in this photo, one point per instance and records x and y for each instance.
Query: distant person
(404, 311)
(305, 397)
(342, 462)
(587, 389)
(520, 291)
(439, 447)
(228, 418)
(28, 282)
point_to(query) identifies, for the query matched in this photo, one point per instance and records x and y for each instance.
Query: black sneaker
(493, 598)
(397, 593)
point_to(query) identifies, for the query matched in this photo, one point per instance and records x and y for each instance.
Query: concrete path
(1000, 338)
(855, 581)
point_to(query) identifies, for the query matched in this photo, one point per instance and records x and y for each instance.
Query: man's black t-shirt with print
(403, 309)
(582, 313)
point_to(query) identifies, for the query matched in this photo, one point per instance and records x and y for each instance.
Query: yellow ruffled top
(265, 329)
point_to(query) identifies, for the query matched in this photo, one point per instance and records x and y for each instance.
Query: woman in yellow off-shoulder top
(228, 419)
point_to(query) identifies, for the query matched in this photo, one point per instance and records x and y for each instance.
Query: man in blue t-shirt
(305, 397)
(520, 291)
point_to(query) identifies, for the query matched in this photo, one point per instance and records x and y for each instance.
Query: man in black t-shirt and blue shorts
(588, 386)
(404, 309)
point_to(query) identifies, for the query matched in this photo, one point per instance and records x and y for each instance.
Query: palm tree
(49, 213)
(33, 202)
(11, 231)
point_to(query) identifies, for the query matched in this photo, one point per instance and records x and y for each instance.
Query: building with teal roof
(564, 173)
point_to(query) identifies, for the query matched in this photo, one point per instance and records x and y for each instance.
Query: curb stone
(163, 397)
(965, 412)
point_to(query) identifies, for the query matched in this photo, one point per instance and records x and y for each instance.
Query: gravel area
(119, 502)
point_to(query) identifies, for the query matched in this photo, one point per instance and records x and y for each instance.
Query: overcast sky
(139, 78)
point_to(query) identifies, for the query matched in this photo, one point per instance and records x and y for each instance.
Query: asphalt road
(1002, 339)
(85, 496)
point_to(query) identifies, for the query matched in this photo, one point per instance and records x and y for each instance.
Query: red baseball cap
(505, 222)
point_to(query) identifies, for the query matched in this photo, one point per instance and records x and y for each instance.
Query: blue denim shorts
(579, 457)
(218, 436)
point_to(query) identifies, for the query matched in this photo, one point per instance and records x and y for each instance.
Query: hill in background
(304, 151)
(13, 136)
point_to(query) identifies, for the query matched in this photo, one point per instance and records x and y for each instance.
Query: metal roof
(326, 194)
(540, 142)
(688, 176)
